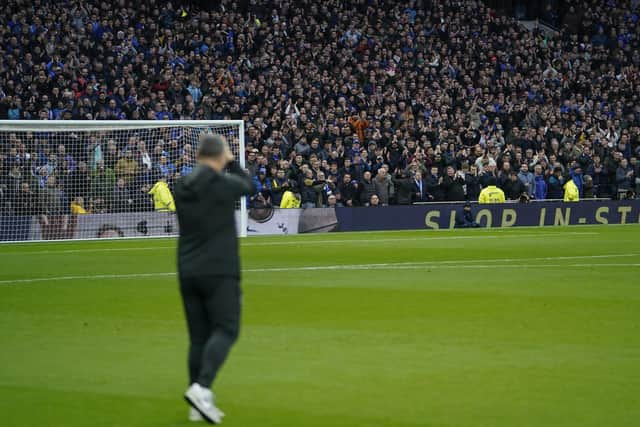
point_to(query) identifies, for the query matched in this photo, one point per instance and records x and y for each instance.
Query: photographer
(464, 217)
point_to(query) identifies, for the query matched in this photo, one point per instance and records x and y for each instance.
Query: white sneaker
(195, 416)
(201, 399)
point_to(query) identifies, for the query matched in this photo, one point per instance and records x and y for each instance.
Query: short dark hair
(211, 145)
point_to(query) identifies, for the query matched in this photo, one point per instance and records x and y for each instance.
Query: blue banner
(293, 221)
(441, 216)
(14, 228)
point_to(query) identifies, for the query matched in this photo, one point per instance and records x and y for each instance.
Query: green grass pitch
(514, 328)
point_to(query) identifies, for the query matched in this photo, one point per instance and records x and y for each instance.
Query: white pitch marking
(424, 238)
(390, 266)
(86, 277)
(79, 251)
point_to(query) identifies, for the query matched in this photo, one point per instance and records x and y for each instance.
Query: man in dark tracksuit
(209, 266)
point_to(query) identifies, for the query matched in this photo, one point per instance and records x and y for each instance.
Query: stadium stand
(410, 101)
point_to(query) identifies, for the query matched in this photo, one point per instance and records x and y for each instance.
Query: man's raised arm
(238, 182)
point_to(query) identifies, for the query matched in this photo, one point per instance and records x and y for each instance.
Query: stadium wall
(271, 221)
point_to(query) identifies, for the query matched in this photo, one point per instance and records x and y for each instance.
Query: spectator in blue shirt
(165, 167)
(540, 191)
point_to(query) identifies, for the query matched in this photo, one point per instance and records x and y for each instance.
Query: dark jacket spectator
(419, 187)
(78, 182)
(587, 187)
(366, 189)
(26, 202)
(556, 185)
(308, 195)
(403, 189)
(279, 185)
(348, 191)
(600, 177)
(102, 183)
(473, 186)
(122, 199)
(434, 187)
(514, 188)
(452, 184)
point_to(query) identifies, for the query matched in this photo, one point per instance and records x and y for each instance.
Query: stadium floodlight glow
(80, 179)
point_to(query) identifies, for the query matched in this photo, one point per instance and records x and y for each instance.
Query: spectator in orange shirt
(359, 124)
(225, 80)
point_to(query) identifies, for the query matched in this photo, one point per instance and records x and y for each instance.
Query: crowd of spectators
(345, 102)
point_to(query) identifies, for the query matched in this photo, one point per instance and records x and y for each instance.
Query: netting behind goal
(99, 179)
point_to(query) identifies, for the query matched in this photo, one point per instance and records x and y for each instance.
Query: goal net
(100, 179)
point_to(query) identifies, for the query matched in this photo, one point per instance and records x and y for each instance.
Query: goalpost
(76, 179)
